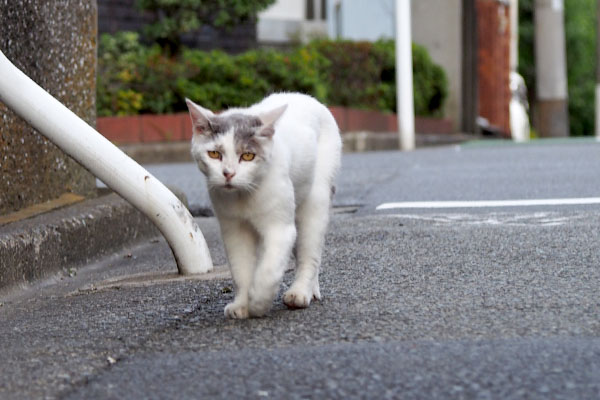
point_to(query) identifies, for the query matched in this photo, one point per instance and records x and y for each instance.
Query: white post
(404, 76)
(107, 162)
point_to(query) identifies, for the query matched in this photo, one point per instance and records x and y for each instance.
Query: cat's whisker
(250, 187)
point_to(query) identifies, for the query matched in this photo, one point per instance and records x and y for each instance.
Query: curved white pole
(103, 159)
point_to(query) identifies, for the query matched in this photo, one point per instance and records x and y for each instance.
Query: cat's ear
(201, 117)
(268, 120)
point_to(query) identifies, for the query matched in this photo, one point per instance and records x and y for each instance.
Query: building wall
(437, 26)
(285, 10)
(54, 43)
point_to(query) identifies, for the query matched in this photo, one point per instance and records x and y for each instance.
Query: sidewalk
(66, 238)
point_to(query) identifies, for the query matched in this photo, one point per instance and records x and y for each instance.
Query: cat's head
(233, 150)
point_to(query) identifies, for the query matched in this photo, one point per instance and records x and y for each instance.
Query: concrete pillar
(551, 69)
(53, 42)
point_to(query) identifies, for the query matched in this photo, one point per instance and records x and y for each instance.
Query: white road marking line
(489, 203)
(493, 218)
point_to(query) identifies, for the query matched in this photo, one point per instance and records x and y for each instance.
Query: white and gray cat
(270, 170)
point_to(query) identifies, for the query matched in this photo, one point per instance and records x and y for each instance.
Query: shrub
(430, 84)
(363, 75)
(133, 78)
(352, 72)
(118, 59)
(218, 80)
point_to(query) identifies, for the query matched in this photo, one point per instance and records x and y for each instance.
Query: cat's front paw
(259, 307)
(237, 310)
(261, 301)
(297, 297)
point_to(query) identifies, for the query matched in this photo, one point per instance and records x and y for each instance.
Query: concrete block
(55, 44)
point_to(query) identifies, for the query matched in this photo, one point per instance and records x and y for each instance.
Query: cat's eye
(248, 156)
(214, 154)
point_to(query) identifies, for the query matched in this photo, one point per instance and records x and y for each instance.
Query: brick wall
(494, 63)
(122, 15)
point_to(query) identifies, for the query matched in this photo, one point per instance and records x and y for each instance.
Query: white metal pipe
(404, 76)
(103, 159)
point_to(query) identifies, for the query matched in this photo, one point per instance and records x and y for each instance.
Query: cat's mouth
(224, 187)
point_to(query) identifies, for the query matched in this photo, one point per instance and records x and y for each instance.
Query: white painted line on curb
(489, 203)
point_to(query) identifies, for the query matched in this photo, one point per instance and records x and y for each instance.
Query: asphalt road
(496, 303)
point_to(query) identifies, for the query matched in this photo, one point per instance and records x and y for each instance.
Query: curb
(377, 141)
(69, 237)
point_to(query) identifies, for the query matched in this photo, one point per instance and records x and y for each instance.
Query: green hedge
(363, 75)
(133, 78)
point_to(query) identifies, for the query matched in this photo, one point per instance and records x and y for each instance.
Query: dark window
(323, 10)
(310, 9)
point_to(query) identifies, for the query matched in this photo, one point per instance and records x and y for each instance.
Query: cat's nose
(228, 175)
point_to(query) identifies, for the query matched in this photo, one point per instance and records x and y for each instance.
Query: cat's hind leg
(312, 218)
(240, 244)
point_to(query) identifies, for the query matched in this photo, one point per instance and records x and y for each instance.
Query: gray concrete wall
(437, 27)
(54, 42)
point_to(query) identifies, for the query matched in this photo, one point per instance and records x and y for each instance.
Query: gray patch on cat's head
(245, 130)
(250, 135)
(244, 125)
(250, 144)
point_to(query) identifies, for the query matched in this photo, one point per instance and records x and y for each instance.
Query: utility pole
(598, 69)
(551, 70)
(404, 76)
